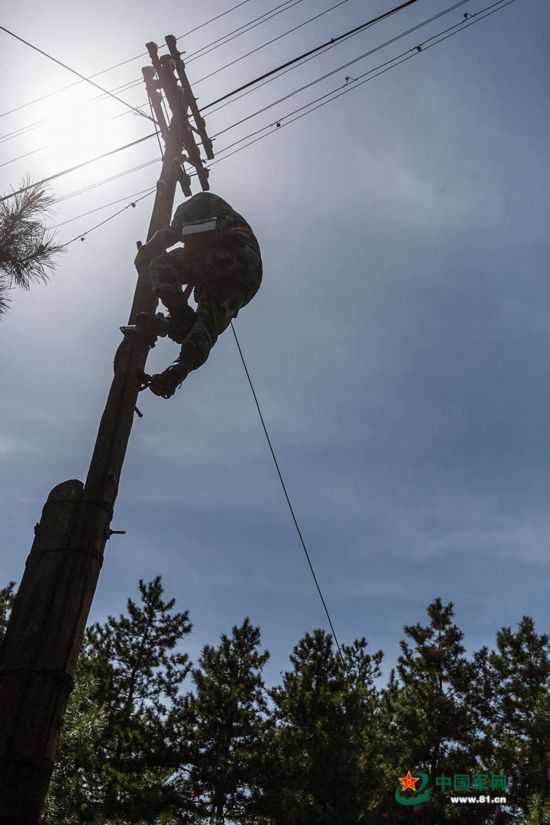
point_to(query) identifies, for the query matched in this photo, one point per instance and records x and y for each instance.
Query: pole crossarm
(169, 69)
(39, 652)
(189, 97)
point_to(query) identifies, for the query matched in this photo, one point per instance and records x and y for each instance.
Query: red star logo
(408, 781)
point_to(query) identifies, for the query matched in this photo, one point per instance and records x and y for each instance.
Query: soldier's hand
(142, 258)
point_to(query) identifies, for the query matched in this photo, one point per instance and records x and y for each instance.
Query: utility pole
(40, 649)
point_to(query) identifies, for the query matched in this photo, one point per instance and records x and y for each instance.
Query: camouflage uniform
(225, 275)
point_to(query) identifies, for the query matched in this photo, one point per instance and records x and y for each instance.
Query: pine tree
(323, 735)
(519, 729)
(132, 674)
(226, 723)
(434, 715)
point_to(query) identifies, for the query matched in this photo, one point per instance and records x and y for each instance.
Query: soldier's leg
(230, 279)
(227, 280)
(212, 317)
(168, 273)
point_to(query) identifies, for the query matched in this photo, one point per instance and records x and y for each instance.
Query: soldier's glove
(143, 257)
(156, 245)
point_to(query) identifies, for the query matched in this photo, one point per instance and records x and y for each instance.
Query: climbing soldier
(221, 260)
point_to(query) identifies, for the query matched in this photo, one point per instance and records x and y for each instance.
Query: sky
(398, 345)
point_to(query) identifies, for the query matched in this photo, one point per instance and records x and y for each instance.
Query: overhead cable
(81, 76)
(287, 497)
(84, 189)
(269, 42)
(226, 38)
(345, 65)
(22, 130)
(302, 57)
(270, 79)
(78, 166)
(132, 204)
(100, 208)
(334, 40)
(117, 65)
(464, 24)
(244, 29)
(20, 157)
(348, 87)
(312, 51)
(432, 41)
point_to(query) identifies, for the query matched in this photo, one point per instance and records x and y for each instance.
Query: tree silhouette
(27, 249)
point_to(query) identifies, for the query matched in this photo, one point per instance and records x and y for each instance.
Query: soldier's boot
(166, 383)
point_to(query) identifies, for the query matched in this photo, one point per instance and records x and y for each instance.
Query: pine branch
(28, 250)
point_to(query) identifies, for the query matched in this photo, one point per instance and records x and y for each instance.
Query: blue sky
(399, 344)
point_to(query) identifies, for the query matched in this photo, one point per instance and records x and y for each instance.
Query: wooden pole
(44, 635)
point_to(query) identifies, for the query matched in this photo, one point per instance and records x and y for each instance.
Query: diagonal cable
(287, 497)
(81, 76)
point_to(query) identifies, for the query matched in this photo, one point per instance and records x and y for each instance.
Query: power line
(332, 41)
(244, 29)
(432, 41)
(281, 74)
(24, 129)
(336, 93)
(223, 40)
(311, 53)
(287, 4)
(256, 401)
(287, 497)
(92, 160)
(21, 131)
(247, 27)
(269, 42)
(327, 97)
(20, 157)
(84, 189)
(81, 76)
(117, 65)
(212, 19)
(180, 37)
(464, 24)
(82, 235)
(258, 48)
(344, 65)
(78, 166)
(99, 208)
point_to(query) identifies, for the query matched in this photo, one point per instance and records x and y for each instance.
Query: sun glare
(85, 126)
